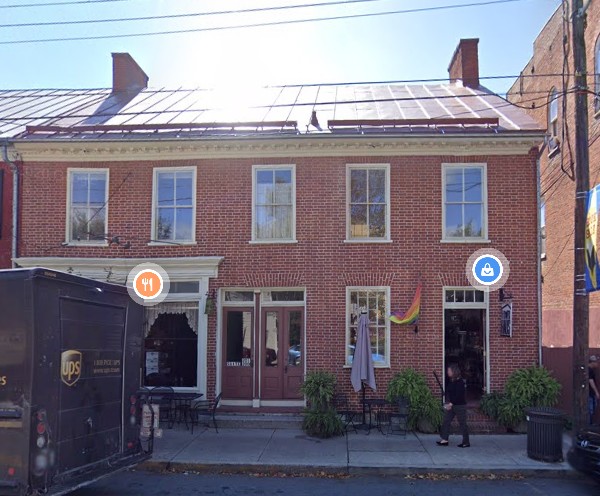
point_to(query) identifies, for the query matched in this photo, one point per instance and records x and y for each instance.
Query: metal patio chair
(399, 420)
(203, 408)
(344, 412)
(163, 397)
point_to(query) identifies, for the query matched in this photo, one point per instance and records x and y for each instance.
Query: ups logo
(70, 366)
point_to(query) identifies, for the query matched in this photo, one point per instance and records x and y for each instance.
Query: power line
(190, 14)
(260, 24)
(66, 2)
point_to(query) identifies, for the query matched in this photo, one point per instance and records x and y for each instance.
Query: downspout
(538, 174)
(15, 202)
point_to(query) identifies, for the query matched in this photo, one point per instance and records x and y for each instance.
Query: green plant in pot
(425, 412)
(525, 388)
(320, 418)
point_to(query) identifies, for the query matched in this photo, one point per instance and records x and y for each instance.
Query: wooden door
(282, 337)
(238, 353)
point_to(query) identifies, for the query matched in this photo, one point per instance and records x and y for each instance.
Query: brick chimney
(465, 63)
(127, 74)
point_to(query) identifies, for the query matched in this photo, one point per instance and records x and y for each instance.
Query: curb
(312, 470)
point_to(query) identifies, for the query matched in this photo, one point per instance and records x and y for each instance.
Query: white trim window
(464, 202)
(274, 203)
(174, 205)
(376, 301)
(553, 113)
(597, 76)
(87, 211)
(543, 230)
(368, 202)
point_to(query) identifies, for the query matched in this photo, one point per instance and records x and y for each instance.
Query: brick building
(288, 210)
(542, 86)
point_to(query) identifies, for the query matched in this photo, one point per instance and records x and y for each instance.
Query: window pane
(454, 185)
(287, 295)
(283, 187)
(79, 188)
(272, 339)
(282, 228)
(358, 221)
(98, 188)
(166, 188)
(358, 185)
(473, 184)
(450, 296)
(459, 294)
(473, 218)
(184, 287)
(239, 296)
(165, 223)
(294, 345)
(454, 221)
(264, 222)
(264, 187)
(79, 226)
(479, 296)
(183, 228)
(96, 224)
(184, 188)
(469, 296)
(239, 339)
(377, 186)
(377, 221)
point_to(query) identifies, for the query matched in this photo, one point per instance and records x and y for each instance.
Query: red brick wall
(321, 261)
(6, 217)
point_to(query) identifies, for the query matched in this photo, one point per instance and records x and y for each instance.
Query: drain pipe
(15, 202)
(538, 173)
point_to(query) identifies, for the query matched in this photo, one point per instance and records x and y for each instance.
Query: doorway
(465, 339)
(281, 338)
(238, 358)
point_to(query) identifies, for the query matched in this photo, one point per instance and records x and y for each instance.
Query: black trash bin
(545, 434)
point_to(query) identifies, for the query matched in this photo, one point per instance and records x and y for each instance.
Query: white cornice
(117, 269)
(112, 151)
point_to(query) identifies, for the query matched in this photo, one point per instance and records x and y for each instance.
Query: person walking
(455, 405)
(594, 395)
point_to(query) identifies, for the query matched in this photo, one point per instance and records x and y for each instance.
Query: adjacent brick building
(549, 99)
(280, 214)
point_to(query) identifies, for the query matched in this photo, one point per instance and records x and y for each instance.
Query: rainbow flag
(412, 314)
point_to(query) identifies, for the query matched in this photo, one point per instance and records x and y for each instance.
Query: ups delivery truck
(70, 355)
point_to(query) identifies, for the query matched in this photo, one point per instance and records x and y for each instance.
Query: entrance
(281, 338)
(465, 337)
(263, 356)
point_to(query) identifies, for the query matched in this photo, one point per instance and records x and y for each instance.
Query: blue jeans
(592, 407)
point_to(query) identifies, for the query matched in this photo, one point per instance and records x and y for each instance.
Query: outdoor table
(375, 405)
(182, 400)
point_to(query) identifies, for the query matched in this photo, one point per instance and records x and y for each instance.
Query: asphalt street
(154, 484)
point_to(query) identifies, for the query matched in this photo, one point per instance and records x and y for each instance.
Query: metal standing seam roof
(92, 114)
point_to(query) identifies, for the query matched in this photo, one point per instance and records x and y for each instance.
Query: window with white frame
(543, 230)
(87, 212)
(553, 113)
(174, 205)
(368, 202)
(274, 199)
(465, 208)
(375, 301)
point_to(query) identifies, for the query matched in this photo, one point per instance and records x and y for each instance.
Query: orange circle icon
(148, 284)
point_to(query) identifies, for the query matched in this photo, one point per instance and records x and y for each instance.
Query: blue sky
(405, 46)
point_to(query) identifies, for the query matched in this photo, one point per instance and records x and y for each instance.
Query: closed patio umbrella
(363, 371)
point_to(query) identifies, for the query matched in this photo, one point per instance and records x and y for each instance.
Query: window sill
(273, 241)
(174, 243)
(465, 241)
(367, 240)
(386, 366)
(104, 244)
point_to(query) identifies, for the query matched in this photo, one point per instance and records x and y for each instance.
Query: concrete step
(259, 421)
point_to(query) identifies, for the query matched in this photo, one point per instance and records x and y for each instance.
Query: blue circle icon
(487, 269)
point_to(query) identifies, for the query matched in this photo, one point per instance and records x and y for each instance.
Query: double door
(268, 364)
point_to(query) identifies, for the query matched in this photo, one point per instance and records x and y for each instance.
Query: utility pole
(582, 185)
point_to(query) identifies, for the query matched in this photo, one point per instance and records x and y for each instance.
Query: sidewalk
(292, 451)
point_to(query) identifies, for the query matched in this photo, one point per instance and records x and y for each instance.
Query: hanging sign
(592, 269)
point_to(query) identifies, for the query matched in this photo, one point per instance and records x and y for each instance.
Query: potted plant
(320, 418)
(425, 412)
(525, 388)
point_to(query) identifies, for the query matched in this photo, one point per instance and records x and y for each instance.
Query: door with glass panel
(282, 337)
(238, 353)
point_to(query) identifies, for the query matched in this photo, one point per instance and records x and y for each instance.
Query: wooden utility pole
(580, 298)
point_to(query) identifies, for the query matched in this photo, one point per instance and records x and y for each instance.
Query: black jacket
(455, 392)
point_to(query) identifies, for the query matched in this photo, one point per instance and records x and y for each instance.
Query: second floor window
(274, 203)
(368, 203)
(174, 205)
(553, 113)
(465, 208)
(88, 190)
